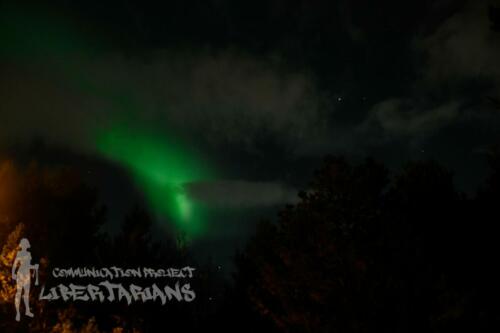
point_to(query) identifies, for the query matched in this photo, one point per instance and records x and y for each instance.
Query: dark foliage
(360, 253)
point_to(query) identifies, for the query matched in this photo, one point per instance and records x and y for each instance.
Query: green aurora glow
(161, 167)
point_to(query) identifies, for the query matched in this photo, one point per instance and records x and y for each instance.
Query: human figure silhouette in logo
(23, 277)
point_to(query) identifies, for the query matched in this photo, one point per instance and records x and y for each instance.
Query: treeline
(363, 250)
(62, 218)
(369, 251)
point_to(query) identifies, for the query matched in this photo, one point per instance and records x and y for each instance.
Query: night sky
(214, 113)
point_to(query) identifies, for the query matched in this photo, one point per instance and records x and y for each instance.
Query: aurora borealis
(161, 167)
(316, 166)
(212, 121)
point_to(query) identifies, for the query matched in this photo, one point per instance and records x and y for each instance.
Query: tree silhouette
(60, 215)
(312, 267)
(361, 252)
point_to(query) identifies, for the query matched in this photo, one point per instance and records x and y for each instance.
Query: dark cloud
(458, 69)
(405, 118)
(228, 97)
(231, 98)
(463, 47)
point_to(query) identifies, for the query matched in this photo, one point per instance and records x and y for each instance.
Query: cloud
(242, 194)
(457, 67)
(463, 47)
(404, 118)
(235, 98)
(224, 98)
